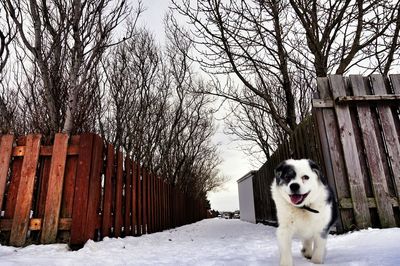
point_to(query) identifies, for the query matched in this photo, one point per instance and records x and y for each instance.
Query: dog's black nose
(294, 187)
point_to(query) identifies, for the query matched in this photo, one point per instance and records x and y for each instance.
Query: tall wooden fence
(354, 133)
(80, 188)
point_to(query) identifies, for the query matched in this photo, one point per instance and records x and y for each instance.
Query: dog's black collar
(309, 209)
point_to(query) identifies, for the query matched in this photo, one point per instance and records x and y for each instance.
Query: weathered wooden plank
(139, 200)
(350, 152)
(380, 99)
(108, 188)
(54, 192)
(153, 198)
(43, 179)
(118, 196)
(388, 126)
(93, 209)
(25, 191)
(150, 204)
(81, 193)
(13, 187)
(332, 152)
(67, 200)
(346, 203)
(45, 150)
(11, 192)
(188, 213)
(164, 201)
(175, 208)
(134, 199)
(395, 79)
(128, 196)
(144, 203)
(379, 185)
(6, 144)
(159, 205)
(69, 180)
(167, 206)
(304, 141)
(171, 203)
(35, 224)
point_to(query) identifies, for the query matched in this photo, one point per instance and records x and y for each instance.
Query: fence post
(135, 227)
(23, 203)
(128, 196)
(108, 189)
(55, 188)
(149, 204)
(81, 194)
(394, 160)
(92, 217)
(144, 199)
(118, 196)
(6, 144)
(139, 198)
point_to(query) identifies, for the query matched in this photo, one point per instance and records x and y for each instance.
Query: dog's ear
(313, 165)
(317, 170)
(278, 171)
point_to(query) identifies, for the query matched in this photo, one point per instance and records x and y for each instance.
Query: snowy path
(211, 242)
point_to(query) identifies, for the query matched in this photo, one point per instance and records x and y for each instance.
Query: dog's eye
(305, 177)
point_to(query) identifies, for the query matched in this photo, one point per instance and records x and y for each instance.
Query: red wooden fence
(80, 188)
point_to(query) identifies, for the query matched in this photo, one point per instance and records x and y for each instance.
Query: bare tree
(187, 142)
(136, 96)
(7, 98)
(7, 34)
(153, 115)
(341, 34)
(74, 75)
(64, 42)
(246, 40)
(10, 120)
(275, 49)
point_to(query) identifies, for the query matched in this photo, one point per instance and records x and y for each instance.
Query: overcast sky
(235, 163)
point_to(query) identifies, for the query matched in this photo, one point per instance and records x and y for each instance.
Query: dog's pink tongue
(296, 198)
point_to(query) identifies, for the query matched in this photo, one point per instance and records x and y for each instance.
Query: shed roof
(248, 175)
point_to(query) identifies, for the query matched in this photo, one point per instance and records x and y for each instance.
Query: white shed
(246, 197)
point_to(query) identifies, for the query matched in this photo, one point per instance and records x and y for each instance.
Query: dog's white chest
(305, 223)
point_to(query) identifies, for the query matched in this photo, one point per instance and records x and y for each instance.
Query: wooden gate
(358, 121)
(354, 134)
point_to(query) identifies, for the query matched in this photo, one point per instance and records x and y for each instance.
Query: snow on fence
(81, 188)
(354, 134)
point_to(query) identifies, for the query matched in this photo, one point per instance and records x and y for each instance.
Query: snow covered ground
(211, 242)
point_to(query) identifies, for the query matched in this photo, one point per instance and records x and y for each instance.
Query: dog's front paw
(307, 253)
(317, 260)
(286, 262)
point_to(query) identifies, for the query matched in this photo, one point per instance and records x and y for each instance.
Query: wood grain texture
(108, 189)
(118, 196)
(369, 136)
(81, 193)
(55, 187)
(6, 143)
(25, 191)
(350, 153)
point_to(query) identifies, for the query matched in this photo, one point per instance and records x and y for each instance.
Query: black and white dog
(306, 207)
